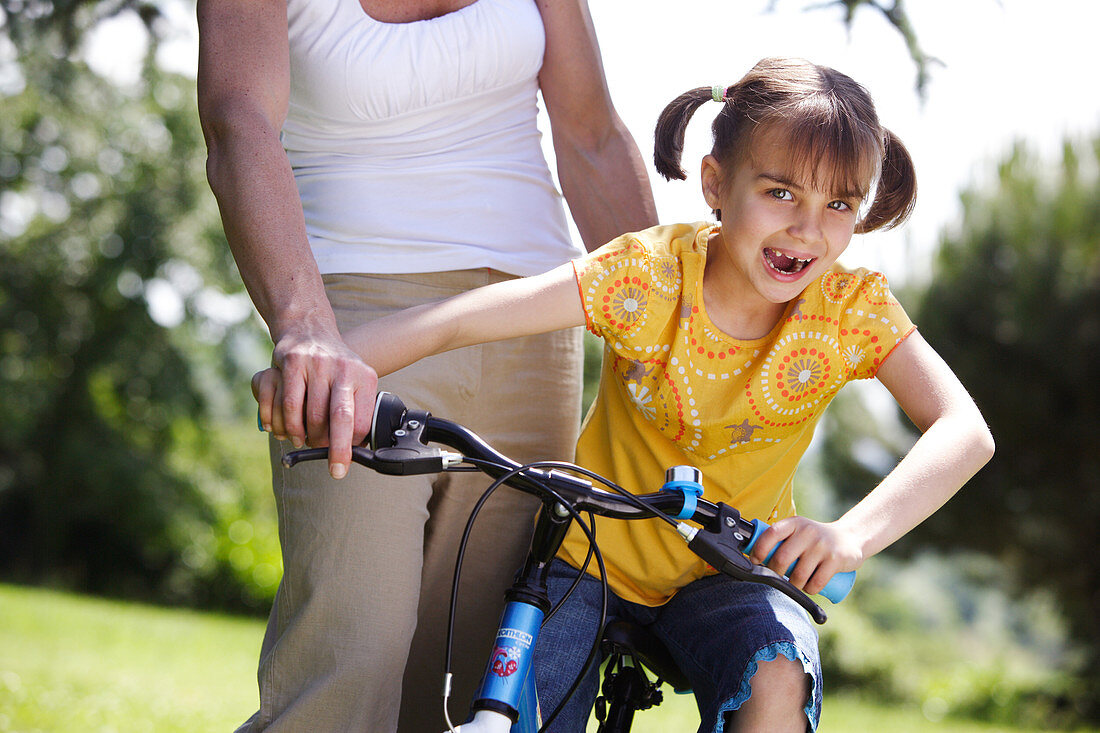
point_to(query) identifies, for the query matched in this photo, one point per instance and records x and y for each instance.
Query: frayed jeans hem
(767, 654)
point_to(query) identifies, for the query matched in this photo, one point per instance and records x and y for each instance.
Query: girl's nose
(807, 226)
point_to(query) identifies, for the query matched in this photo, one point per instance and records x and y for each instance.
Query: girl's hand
(821, 550)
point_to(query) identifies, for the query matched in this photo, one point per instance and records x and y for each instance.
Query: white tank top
(414, 145)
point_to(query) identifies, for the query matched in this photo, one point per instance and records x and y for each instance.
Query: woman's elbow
(234, 132)
(219, 126)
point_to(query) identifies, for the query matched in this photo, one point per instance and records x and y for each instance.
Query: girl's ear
(711, 175)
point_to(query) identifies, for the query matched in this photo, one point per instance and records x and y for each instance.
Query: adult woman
(408, 169)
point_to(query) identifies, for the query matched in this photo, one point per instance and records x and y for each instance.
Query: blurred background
(138, 542)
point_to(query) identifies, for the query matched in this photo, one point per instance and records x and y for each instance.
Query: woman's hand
(317, 393)
(821, 551)
(266, 387)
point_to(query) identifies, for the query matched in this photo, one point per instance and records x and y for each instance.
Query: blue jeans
(716, 628)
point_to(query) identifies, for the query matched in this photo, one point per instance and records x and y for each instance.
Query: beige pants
(357, 629)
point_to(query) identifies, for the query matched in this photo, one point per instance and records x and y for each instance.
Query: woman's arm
(504, 310)
(599, 165)
(955, 443)
(243, 91)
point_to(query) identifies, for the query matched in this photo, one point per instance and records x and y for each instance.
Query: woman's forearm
(599, 165)
(243, 86)
(605, 182)
(265, 227)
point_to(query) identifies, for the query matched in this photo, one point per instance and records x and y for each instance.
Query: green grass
(70, 664)
(840, 714)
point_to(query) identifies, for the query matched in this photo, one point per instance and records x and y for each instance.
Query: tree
(28, 21)
(1014, 307)
(117, 325)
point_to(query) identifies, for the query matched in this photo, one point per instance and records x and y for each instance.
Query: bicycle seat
(629, 639)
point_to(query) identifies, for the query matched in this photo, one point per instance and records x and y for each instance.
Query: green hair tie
(718, 93)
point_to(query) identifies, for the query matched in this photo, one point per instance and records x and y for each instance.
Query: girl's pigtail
(896, 192)
(668, 138)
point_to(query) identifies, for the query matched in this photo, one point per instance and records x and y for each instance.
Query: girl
(723, 345)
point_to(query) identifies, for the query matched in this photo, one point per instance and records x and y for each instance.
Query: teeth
(795, 264)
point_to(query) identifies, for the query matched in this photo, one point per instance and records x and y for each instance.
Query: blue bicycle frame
(508, 687)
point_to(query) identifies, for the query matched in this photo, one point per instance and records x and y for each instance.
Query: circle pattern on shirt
(837, 286)
(876, 293)
(623, 291)
(801, 372)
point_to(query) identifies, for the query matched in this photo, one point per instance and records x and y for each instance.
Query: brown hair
(829, 118)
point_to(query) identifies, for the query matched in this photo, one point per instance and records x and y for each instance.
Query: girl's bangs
(830, 153)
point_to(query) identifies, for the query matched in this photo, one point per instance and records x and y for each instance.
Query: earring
(718, 214)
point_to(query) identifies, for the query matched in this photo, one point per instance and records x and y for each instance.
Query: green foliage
(939, 631)
(121, 322)
(1014, 307)
(66, 21)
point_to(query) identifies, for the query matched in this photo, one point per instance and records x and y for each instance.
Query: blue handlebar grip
(838, 587)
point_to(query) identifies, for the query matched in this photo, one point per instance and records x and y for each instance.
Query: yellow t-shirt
(677, 390)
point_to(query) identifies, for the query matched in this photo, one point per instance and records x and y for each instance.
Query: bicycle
(400, 443)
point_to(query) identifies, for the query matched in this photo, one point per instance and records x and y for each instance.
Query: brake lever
(721, 548)
(408, 454)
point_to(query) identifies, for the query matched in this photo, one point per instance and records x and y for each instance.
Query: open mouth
(785, 264)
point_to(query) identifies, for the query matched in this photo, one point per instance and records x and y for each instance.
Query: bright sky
(1013, 69)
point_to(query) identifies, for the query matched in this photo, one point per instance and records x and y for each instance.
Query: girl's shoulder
(843, 291)
(856, 308)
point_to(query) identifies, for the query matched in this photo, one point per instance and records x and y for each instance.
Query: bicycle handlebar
(400, 444)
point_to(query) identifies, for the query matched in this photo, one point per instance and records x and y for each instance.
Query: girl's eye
(782, 194)
(839, 206)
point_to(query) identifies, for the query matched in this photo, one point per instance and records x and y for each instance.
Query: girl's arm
(955, 443)
(243, 91)
(503, 310)
(520, 307)
(599, 165)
